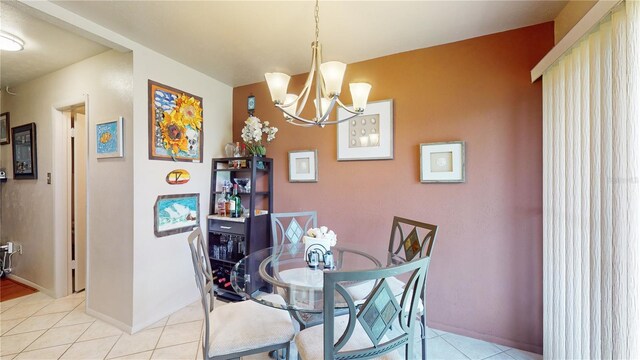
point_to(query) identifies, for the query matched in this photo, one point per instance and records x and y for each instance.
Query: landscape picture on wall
(175, 214)
(175, 124)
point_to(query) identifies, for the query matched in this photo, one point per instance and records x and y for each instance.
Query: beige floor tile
(431, 334)
(6, 325)
(187, 314)
(90, 350)
(177, 352)
(13, 344)
(472, 348)
(439, 332)
(99, 329)
(200, 356)
(24, 309)
(139, 356)
(36, 297)
(437, 349)
(131, 344)
(44, 354)
(33, 323)
(7, 357)
(502, 347)
(523, 355)
(58, 336)
(500, 356)
(262, 356)
(157, 324)
(60, 305)
(180, 334)
(4, 305)
(75, 317)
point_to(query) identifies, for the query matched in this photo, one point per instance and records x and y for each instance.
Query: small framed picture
(303, 166)
(5, 125)
(109, 139)
(368, 136)
(442, 162)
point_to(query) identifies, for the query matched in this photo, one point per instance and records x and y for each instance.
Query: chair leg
(288, 350)
(423, 322)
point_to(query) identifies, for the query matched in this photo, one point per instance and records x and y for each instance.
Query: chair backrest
(291, 227)
(204, 277)
(410, 238)
(377, 314)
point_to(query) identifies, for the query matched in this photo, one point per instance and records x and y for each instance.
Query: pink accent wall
(485, 278)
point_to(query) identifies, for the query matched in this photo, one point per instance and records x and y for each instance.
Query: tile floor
(39, 327)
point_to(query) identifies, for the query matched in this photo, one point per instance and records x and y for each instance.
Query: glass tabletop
(284, 270)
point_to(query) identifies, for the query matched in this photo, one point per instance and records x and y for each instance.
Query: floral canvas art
(175, 124)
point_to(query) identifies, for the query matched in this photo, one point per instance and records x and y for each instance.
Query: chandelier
(328, 78)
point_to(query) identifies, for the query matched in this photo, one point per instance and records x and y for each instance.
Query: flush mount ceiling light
(328, 83)
(10, 42)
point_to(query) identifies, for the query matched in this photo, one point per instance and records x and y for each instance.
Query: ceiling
(47, 47)
(236, 42)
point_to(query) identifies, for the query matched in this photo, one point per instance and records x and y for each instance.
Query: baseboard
(117, 323)
(17, 278)
(494, 339)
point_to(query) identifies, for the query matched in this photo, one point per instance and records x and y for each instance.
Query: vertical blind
(591, 181)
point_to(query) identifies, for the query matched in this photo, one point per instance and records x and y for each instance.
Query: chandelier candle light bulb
(328, 79)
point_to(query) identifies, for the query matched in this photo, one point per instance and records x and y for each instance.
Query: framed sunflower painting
(175, 124)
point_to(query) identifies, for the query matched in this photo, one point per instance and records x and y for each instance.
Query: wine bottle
(236, 203)
(221, 202)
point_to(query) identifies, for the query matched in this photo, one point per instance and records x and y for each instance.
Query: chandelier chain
(317, 16)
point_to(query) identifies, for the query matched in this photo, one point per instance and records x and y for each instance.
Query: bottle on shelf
(236, 203)
(222, 199)
(227, 204)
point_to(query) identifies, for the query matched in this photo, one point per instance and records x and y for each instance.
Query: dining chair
(291, 226)
(367, 331)
(236, 329)
(410, 239)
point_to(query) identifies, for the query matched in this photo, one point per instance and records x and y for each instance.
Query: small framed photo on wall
(442, 162)
(109, 139)
(5, 127)
(303, 166)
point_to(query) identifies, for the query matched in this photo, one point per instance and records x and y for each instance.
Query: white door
(80, 202)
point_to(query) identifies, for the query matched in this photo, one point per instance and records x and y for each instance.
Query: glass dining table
(284, 270)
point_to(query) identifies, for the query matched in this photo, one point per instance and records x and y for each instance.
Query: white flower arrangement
(323, 233)
(252, 133)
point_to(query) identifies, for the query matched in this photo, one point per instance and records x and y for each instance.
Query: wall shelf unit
(230, 239)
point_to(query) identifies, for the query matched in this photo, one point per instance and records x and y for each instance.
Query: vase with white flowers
(252, 134)
(322, 236)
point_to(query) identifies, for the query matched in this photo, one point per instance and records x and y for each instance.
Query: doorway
(77, 149)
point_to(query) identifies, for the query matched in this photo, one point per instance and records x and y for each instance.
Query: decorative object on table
(175, 124)
(3, 175)
(244, 185)
(5, 126)
(368, 136)
(109, 139)
(442, 162)
(303, 166)
(252, 133)
(319, 240)
(251, 104)
(174, 214)
(25, 154)
(328, 78)
(178, 177)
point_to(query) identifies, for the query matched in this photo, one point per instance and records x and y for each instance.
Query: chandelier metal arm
(347, 109)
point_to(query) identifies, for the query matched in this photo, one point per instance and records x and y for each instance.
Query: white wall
(163, 274)
(157, 274)
(28, 205)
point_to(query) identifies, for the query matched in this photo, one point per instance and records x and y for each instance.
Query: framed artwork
(442, 162)
(25, 155)
(175, 124)
(174, 214)
(368, 136)
(5, 126)
(303, 166)
(109, 139)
